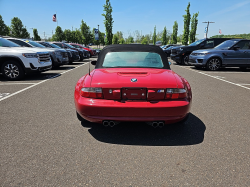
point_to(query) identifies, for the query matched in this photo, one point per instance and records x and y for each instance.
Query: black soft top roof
(132, 48)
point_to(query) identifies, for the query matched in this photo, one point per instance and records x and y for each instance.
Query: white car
(16, 61)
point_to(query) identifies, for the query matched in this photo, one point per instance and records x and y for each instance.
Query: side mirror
(169, 63)
(236, 47)
(93, 62)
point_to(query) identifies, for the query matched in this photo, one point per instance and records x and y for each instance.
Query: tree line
(84, 34)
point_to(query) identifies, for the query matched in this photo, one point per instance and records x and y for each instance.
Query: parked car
(168, 50)
(132, 83)
(169, 45)
(86, 52)
(16, 61)
(55, 54)
(65, 54)
(158, 43)
(180, 54)
(230, 53)
(75, 52)
(81, 52)
(92, 51)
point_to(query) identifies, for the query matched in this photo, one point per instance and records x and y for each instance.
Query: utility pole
(207, 26)
(44, 35)
(52, 32)
(72, 28)
(98, 37)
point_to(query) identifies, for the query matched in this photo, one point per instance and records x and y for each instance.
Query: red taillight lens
(175, 93)
(91, 93)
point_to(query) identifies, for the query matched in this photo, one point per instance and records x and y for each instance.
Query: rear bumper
(97, 110)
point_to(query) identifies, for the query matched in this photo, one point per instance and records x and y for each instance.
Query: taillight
(176, 93)
(91, 93)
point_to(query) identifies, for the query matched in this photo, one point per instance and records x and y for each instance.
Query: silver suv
(231, 53)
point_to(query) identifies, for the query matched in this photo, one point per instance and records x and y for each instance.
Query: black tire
(80, 118)
(184, 60)
(213, 64)
(12, 70)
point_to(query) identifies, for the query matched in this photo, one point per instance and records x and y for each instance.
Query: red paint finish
(124, 100)
(86, 48)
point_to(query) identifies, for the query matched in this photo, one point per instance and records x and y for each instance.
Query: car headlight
(202, 54)
(30, 55)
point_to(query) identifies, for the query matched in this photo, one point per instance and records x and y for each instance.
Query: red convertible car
(132, 82)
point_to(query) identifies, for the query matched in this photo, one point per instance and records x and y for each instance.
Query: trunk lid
(134, 83)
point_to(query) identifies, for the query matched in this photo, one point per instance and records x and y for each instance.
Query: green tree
(115, 39)
(130, 40)
(108, 22)
(121, 41)
(4, 29)
(175, 32)
(86, 33)
(17, 29)
(144, 41)
(154, 36)
(164, 36)
(36, 36)
(194, 23)
(187, 18)
(59, 35)
(67, 35)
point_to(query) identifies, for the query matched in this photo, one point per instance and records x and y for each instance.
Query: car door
(239, 56)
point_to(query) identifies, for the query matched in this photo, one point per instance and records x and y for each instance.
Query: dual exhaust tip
(154, 124)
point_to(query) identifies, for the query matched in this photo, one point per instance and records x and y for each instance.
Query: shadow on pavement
(190, 133)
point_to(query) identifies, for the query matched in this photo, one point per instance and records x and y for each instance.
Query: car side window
(60, 45)
(21, 43)
(209, 44)
(243, 44)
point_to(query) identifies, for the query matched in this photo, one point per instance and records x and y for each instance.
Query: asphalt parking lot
(43, 144)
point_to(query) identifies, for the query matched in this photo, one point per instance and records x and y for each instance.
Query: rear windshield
(133, 59)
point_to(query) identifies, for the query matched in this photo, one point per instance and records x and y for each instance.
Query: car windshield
(132, 59)
(36, 44)
(197, 42)
(69, 45)
(170, 47)
(54, 46)
(76, 46)
(226, 45)
(7, 43)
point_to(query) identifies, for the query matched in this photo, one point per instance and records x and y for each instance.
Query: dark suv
(181, 54)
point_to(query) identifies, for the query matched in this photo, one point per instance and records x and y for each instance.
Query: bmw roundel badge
(133, 80)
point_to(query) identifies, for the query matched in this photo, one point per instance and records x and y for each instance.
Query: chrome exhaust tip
(112, 124)
(155, 124)
(161, 124)
(105, 123)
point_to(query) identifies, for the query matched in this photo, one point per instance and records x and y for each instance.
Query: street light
(98, 37)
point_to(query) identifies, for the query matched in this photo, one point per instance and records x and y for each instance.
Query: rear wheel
(12, 70)
(213, 64)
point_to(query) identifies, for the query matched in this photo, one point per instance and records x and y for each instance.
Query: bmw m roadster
(132, 82)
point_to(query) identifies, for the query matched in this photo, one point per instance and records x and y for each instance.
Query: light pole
(98, 37)
(207, 26)
(32, 32)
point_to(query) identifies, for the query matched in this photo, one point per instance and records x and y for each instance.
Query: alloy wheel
(214, 64)
(11, 71)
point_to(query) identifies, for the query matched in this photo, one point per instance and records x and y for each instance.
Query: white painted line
(216, 77)
(15, 83)
(4, 94)
(38, 83)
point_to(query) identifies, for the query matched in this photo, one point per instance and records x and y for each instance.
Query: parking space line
(215, 77)
(38, 83)
(15, 83)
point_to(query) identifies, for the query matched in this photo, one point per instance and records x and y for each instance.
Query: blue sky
(231, 16)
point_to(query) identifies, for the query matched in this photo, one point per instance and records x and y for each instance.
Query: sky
(231, 16)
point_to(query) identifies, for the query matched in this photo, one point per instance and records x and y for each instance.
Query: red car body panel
(88, 49)
(147, 105)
